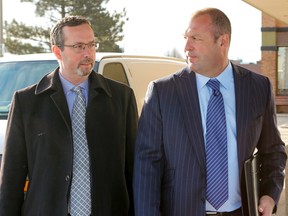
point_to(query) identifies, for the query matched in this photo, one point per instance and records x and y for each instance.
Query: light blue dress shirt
(227, 89)
(70, 95)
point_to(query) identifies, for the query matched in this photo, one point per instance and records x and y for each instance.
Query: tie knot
(214, 84)
(77, 90)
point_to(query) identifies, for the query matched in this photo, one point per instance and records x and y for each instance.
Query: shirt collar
(225, 78)
(67, 86)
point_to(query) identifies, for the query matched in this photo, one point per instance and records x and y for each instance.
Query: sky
(156, 27)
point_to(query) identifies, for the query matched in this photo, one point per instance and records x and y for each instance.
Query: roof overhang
(274, 8)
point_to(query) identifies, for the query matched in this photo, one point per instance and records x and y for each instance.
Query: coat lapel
(243, 109)
(186, 88)
(51, 82)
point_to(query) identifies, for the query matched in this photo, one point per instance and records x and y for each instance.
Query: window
(17, 75)
(282, 80)
(115, 71)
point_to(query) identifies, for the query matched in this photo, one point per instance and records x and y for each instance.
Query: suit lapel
(243, 109)
(186, 89)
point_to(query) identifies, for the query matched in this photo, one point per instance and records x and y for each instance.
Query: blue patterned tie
(216, 148)
(80, 187)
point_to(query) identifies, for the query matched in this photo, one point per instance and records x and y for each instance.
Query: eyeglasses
(80, 47)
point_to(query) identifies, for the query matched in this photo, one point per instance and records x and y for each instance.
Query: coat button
(67, 178)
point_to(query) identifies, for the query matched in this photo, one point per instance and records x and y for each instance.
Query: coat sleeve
(272, 151)
(148, 167)
(14, 163)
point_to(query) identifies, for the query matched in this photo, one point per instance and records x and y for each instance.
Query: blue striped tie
(216, 148)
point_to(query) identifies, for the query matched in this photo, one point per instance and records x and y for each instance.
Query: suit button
(67, 178)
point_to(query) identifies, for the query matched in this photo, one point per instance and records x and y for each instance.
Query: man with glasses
(72, 135)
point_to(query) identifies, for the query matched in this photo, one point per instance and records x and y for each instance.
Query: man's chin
(190, 65)
(84, 73)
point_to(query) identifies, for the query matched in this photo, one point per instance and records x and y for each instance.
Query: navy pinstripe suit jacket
(169, 169)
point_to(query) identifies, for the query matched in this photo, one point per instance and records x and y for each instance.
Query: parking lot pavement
(282, 121)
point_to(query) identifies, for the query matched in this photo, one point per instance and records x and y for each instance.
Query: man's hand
(266, 205)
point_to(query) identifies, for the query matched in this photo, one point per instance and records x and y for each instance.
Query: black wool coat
(39, 145)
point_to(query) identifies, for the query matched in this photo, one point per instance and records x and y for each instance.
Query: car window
(116, 72)
(17, 75)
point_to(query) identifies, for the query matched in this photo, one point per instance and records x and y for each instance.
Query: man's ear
(224, 40)
(57, 52)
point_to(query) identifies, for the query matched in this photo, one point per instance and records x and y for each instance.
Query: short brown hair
(220, 22)
(56, 34)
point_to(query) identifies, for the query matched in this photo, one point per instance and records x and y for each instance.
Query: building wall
(274, 35)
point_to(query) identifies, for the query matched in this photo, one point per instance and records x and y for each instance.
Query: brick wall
(269, 66)
(274, 35)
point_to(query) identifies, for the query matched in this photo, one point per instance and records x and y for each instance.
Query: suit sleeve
(14, 163)
(272, 151)
(148, 166)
